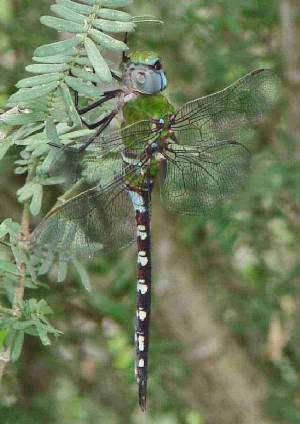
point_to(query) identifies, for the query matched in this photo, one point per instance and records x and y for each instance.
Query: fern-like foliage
(43, 109)
(75, 63)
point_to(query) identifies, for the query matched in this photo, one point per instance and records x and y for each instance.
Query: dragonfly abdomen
(141, 202)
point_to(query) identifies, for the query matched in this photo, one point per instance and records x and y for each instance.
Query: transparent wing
(199, 178)
(99, 162)
(100, 219)
(97, 221)
(222, 115)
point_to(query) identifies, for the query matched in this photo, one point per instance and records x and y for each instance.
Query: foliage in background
(254, 240)
(40, 111)
(248, 250)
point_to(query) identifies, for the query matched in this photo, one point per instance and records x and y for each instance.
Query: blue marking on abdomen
(137, 200)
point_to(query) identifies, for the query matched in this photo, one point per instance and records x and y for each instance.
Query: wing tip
(258, 71)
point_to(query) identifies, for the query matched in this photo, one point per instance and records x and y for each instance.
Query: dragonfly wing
(105, 153)
(198, 178)
(224, 114)
(100, 219)
(97, 221)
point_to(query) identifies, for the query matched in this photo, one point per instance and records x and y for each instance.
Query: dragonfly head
(143, 73)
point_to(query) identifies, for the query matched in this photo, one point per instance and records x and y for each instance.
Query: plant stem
(19, 290)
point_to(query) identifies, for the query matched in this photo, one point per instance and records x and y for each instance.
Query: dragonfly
(195, 153)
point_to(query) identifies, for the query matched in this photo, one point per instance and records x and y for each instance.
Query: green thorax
(144, 57)
(146, 106)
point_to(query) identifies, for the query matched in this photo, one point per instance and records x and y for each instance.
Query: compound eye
(157, 65)
(141, 77)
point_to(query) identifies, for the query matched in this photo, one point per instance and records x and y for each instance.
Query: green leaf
(43, 307)
(51, 132)
(58, 58)
(19, 255)
(27, 130)
(91, 2)
(22, 325)
(46, 265)
(38, 80)
(58, 47)
(80, 8)
(4, 228)
(4, 146)
(62, 271)
(24, 193)
(84, 61)
(50, 159)
(146, 19)
(85, 75)
(23, 118)
(114, 15)
(83, 275)
(53, 180)
(81, 87)
(113, 26)
(62, 25)
(3, 334)
(58, 109)
(10, 268)
(17, 346)
(19, 170)
(99, 64)
(25, 94)
(70, 107)
(77, 134)
(39, 104)
(46, 69)
(9, 338)
(39, 149)
(66, 13)
(107, 41)
(12, 227)
(42, 332)
(114, 3)
(36, 201)
(32, 331)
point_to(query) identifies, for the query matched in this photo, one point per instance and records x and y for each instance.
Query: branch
(19, 290)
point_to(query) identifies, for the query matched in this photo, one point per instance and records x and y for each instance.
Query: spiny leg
(103, 124)
(108, 95)
(124, 56)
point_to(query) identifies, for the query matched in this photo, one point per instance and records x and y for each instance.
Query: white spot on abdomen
(141, 343)
(142, 258)
(141, 363)
(141, 232)
(141, 314)
(142, 287)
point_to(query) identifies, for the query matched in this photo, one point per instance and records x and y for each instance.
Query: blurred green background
(224, 340)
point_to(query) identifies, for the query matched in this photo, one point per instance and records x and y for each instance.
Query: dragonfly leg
(124, 55)
(103, 124)
(108, 95)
